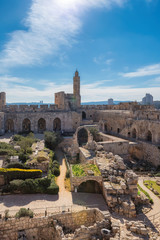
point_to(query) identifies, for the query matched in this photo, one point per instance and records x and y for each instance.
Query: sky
(114, 44)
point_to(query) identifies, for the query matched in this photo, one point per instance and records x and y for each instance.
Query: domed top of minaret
(76, 73)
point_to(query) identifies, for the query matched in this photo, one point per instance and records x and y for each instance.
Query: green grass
(152, 184)
(147, 194)
(80, 170)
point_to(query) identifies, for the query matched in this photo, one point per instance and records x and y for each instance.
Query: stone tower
(76, 88)
(2, 100)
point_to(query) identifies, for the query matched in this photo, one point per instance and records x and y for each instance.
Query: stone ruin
(119, 184)
(86, 224)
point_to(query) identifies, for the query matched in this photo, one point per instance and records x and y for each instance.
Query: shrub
(56, 172)
(17, 137)
(52, 140)
(38, 185)
(7, 149)
(29, 186)
(16, 185)
(16, 173)
(53, 188)
(23, 212)
(55, 162)
(17, 165)
(43, 182)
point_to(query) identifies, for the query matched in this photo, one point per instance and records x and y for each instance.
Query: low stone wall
(50, 227)
(120, 147)
(146, 151)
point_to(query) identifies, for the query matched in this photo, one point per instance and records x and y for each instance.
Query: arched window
(10, 126)
(134, 133)
(149, 136)
(57, 124)
(26, 125)
(83, 115)
(82, 136)
(41, 125)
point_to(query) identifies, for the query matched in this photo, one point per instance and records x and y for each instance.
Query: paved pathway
(42, 201)
(156, 200)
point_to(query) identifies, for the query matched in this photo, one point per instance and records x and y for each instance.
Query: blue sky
(115, 45)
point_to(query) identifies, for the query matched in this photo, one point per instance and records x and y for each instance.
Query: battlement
(30, 108)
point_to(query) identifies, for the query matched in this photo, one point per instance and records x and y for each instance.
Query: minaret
(76, 88)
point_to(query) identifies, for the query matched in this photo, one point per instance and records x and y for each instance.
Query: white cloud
(109, 61)
(51, 24)
(10, 79)
(97, 91)
(145, 71)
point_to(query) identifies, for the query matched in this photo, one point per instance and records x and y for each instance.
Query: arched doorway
(41, 125)
(83, 115)
(82, 136)
(57, 124)
(10, 126)
(149, 136)
(134, 133)
(26, 125)
(105, 127)
(89, 186)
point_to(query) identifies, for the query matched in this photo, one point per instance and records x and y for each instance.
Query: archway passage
(105, 127)
(26, 125)
(83, 115)
(82, 136)
(149, 136)
(134, 133)
(10, 126)
(57, 124)
(41, 125)
(90, 186)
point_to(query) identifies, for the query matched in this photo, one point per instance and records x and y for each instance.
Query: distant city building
(147, 100)
(41, 102)
(110, 101)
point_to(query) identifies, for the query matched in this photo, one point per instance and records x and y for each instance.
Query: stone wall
(50, 227)
(69, 120)
(120, 147)
(147, 152)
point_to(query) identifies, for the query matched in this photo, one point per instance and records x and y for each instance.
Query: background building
(147, 100)
(110, 101)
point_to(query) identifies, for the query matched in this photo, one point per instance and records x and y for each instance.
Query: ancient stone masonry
(131, 121)
(120, 185)
(71, 226)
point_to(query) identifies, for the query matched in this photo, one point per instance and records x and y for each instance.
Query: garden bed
(153, 186)
(80, 170)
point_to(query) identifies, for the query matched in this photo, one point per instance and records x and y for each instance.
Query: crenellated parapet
(30, 108)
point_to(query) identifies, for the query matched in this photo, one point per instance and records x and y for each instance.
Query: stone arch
(10, 126)
(57, 124)
(41, 125)
(149, 136)
(84, 115)
(26, 125)
(82, 136)
(134, 133)
(90, 186)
